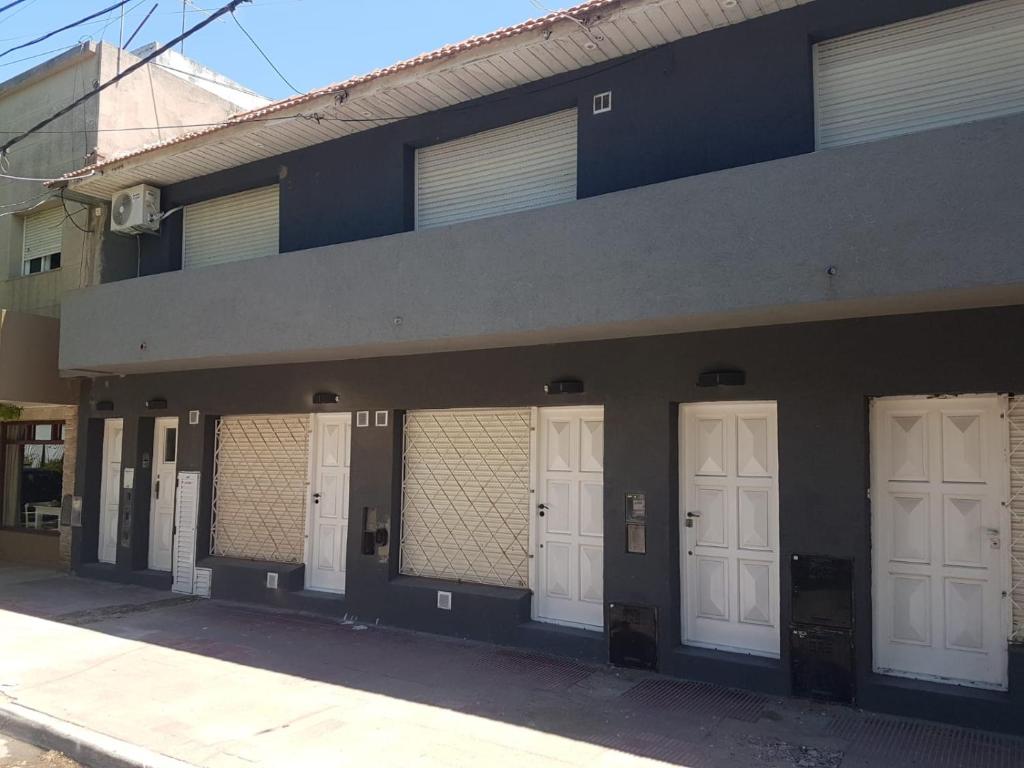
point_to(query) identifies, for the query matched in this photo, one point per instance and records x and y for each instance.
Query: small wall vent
(271, 581)
(380, 418)
(362, 418)
(193, 418)
(602, 102)
(444, 600)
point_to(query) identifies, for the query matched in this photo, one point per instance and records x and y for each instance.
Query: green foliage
(9, 412)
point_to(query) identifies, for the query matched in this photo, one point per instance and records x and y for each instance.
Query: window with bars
(260, 487)
(466, 496)
(1016, 421)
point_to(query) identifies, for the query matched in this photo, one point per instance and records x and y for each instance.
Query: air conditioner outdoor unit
(135, 210)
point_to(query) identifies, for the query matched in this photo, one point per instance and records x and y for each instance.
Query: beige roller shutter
(260, 487)
(1016, 419)
(42, 233)
(951, 67)
(466, 496)
(526, 165)
(231, 228)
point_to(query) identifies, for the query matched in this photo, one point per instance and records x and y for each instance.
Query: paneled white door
(327, 537)
(161, 505)
(570, 517)
(940, 534)
(110, 490)
(729, 523)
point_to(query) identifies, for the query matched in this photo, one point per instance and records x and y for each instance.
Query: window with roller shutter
(951, 67)
(231, 228)
(526, 165)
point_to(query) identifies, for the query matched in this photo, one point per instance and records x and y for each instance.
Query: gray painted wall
(821, 374)
(915, 223)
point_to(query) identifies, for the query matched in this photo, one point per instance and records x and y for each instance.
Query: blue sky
(312, 42)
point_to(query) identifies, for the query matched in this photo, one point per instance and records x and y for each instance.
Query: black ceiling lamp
(564, 387)
(156, 404)
(326, 398)
(105, 405)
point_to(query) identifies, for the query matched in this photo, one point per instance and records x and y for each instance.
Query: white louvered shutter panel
(526, 165)
(42, 233)
(231, 228)
(186, 515)
(466, 496)
(951, 67)
(260, 487)
(1016, 419)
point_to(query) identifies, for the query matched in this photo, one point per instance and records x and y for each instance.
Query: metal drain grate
(937, 746)
(697, 697)
(547, 672)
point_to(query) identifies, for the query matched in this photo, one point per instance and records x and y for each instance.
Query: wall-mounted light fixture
(564, 387)
(325, 398)
(105, 405)
(156, 404)
(721, 379)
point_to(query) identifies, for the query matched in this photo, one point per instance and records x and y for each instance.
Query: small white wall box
(444, 600)
(362, 418)
(271, 580)
(380, 418)
(135, 210)
(602, 102)
(193, 418)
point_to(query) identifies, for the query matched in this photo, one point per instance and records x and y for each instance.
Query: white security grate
(260, 487)
(1016, 419)
(466, 496)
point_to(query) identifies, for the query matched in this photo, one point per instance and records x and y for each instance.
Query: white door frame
(108, 427)
(314, 461)
(1004, 570)
(732, 407)
(157, 456)
(536, 457)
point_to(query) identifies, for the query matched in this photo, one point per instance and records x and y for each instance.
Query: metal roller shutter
(260, 487)
(231, 228)
(42, 233)
(526, 165)
(1016, 419)
(951, 67)
(466, 496)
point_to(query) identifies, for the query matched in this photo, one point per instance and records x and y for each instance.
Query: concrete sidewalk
(218, 684)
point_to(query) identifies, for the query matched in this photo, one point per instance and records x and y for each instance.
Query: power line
(137, 65)
(66, 27)
(264, 55)
(11, 5)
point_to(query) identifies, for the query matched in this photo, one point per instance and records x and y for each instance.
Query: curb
(91, 749)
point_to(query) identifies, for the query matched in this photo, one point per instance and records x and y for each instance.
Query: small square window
(602, 102)
(32, 266)
(54, 261)
(170, 444)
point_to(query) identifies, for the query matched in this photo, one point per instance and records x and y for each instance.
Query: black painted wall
(822, 376)
(726, 98)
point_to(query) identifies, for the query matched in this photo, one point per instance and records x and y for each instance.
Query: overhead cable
(66, 27)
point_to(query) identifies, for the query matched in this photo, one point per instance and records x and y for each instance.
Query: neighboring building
(677, 333)
(49, 246)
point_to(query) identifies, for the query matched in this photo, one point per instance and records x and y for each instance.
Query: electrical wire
(69, 216)
(11, 5)
(66, 27)
(40, 55)
(264, 55)
(134, 67)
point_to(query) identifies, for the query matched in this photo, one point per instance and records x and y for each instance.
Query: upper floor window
(513, 168)
(951, 67)
(41, 241)
(231, 228)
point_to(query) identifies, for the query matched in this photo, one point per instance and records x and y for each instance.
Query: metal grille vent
(1015, 416)
(261, 468)
(466, 496)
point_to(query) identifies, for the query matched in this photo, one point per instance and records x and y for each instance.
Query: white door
(729, 524)
(940, 533)
(110, 490)
(570, 517)
(328, 517)
(161, 504)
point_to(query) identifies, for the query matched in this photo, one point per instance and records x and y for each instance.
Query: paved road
(223, 685)
(18, 754)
